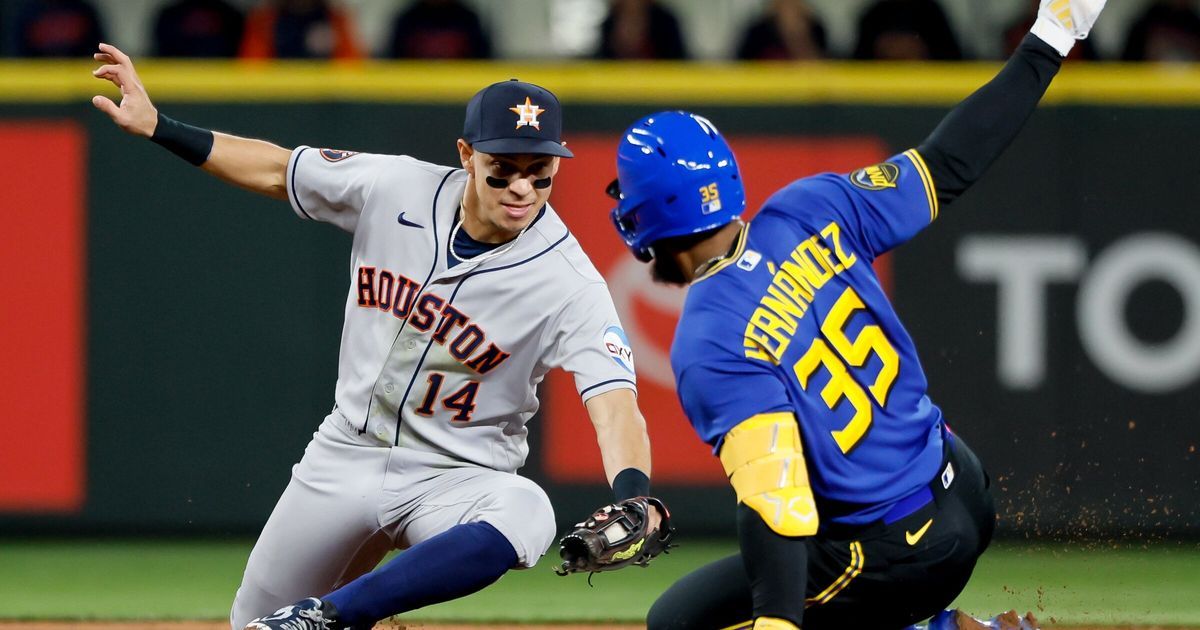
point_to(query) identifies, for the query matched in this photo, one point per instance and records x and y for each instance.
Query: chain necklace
(705, 266)
(462, 211)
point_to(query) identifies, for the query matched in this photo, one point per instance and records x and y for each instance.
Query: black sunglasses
(496, 182)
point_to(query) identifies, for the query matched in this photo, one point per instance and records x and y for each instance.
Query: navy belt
(923, 495)
(909, 504)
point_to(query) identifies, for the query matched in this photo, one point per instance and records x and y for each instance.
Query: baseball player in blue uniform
(465, 289)
(857, 506)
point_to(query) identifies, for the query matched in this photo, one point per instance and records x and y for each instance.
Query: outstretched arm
(624, 444)
(255, 165)
(978, 130)
(620, 432)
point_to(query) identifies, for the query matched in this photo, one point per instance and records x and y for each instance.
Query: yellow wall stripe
(857, 559)
(926, 181)
(665, 83)
(745, 625)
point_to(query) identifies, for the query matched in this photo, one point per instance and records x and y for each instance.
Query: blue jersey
(796, 320)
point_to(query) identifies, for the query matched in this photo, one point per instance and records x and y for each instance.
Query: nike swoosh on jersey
(402, 221)
(912, 539)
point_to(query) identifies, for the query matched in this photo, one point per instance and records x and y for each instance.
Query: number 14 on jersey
(462, 402)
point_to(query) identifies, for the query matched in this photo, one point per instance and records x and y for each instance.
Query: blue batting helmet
(676, 176)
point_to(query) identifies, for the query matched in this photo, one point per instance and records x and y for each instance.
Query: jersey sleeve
(332, 186)
(883, 205)
(718, 394)
(586, 339)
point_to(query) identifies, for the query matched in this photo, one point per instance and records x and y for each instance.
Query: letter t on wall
(1021, 267)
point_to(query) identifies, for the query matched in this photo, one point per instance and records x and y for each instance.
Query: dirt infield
(414, 625)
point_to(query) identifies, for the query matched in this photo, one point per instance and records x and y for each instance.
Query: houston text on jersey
(394, 293)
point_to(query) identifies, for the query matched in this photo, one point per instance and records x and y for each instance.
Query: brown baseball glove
(616, 536)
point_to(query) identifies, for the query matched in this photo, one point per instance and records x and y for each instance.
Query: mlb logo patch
(948, 476)
(617, 345)
(749, 260)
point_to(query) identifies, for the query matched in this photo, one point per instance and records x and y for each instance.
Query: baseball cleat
(1010, 621)
(959, 620)
(308, 614)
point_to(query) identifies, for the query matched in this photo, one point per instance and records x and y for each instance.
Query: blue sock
(456, 562)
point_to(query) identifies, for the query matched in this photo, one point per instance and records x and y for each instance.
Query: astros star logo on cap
(527, 114)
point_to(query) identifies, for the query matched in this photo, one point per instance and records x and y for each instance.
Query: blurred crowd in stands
(1168, 30)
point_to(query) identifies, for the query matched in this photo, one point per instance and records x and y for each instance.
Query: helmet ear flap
(625, 219)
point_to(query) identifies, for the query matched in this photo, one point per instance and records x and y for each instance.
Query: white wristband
(1054, 34)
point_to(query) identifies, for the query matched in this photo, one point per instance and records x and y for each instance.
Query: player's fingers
(110, 75)
(107, 49)
(103, 58)
(106, 69)
(111, 50)
(106, 105)
(116, 53)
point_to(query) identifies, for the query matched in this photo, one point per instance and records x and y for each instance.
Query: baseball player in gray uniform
(465, 290)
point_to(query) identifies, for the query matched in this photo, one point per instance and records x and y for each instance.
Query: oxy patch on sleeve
(617, 345)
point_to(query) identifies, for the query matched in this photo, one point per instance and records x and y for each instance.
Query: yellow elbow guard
(764, 460)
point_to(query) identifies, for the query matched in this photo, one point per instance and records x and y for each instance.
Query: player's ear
(464, 156)
(554, 164)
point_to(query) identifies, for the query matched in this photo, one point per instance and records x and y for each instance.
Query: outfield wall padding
(1056, 309)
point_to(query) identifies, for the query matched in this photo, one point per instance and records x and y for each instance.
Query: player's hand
(136, 114)
(1061, 22)
(632, 531)
(654, 519)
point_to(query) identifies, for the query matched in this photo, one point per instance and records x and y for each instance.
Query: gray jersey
(447, 359)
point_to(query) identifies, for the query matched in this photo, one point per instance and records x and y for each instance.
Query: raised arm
(255, 165)
(978, 130)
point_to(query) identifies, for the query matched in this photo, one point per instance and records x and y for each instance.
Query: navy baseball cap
(515, 117)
